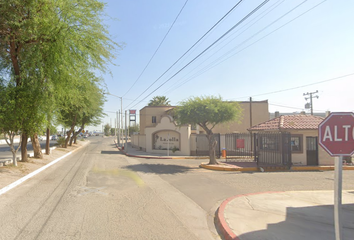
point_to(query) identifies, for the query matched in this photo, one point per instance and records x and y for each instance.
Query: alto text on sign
(336, 134)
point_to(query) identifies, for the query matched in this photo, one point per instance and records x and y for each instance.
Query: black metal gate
(272, 148)
(203, 145)
(239, 144)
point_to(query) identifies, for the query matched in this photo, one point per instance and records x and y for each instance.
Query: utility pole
(118, 129)
(121, 109)
(126, 137)
(311, 96)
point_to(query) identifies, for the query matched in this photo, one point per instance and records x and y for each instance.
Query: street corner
(283, 215)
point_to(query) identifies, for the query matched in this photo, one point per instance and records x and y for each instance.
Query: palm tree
(159, 101)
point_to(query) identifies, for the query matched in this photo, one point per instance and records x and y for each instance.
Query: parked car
(54, 137)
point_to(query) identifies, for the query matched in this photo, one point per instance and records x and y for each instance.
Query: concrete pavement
(276, 215)
(284, 216)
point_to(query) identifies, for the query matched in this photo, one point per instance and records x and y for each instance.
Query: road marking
(21, 180)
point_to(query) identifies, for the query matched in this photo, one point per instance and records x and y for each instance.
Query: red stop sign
(336, 134)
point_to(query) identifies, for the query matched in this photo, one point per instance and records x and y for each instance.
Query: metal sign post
(338, 198)
(336, 136)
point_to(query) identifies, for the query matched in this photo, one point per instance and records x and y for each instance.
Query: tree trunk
(77, 133)
(212, 145)
(37, 150)
(24, 157)
(68, 137)
(71, 140)
(47, 143)
(11, 144)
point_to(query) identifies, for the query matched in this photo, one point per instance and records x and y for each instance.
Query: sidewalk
(284, 216)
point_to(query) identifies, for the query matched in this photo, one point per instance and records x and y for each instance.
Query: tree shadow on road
(158, 168)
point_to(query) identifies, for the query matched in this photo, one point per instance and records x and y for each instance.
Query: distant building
(158, 131)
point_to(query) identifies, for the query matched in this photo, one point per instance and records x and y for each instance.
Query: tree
(133, 129)
(107, 129)
(43, 44)
(159, 101)
(207, 112)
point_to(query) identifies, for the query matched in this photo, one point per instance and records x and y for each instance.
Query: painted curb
(220, 168)
(256, 169)
(222, 225)
(28, 176)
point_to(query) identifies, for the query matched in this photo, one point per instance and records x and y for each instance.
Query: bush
(61, 141)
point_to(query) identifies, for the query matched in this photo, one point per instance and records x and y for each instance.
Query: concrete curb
(28, 176)
(222, 225)
(222, 167)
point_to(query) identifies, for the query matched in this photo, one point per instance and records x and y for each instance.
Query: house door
(311, 151)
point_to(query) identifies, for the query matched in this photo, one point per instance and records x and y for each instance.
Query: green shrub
(61, 141)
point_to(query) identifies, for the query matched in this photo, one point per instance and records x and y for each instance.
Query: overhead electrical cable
(205, 34)
(257, 19)
(157, 48)
(206, 49)
(302, 86)
(212, 65)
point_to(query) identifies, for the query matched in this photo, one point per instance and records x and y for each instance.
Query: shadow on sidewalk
(313, 222)
(158, 168)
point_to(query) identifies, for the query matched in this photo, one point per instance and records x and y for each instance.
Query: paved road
(97, 193)
(92, 195)
(5, 151)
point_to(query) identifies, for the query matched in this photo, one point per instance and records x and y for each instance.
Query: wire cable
(222, 36)
(157, 48)
(302, 86)
(188, 50)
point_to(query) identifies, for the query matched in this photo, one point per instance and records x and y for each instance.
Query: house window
(296, 143)
(153, 119)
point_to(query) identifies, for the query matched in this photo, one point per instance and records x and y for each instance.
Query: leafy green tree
(133, 129)
(207, 112)
(159, 101)
(107, 129)
(43, 44)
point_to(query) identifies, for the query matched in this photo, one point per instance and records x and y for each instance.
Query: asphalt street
(98, 193)
(5, 150)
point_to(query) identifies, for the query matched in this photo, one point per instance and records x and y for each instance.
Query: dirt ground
(9, 174)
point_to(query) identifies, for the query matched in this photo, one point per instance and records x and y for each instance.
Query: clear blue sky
(260, 58)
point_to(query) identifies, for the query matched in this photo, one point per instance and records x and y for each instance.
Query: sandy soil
(9, 174)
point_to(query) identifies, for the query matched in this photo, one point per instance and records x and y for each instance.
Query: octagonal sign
(336, 134)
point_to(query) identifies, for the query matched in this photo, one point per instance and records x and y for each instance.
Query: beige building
(304, 138)
(253, 112)
(160, 134)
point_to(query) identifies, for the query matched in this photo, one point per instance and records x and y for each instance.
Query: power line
(222, 36)
(157, 48)
(302, 86)
(265, 13)
(190, 49)
(214, 64)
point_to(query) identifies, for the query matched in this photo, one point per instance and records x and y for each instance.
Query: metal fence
(203, 145)
(272, 148)
(239, 145)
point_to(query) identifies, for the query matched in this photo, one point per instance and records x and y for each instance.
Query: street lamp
(121, 111)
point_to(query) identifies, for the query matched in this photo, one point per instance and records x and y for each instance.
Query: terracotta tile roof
(289, 122)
